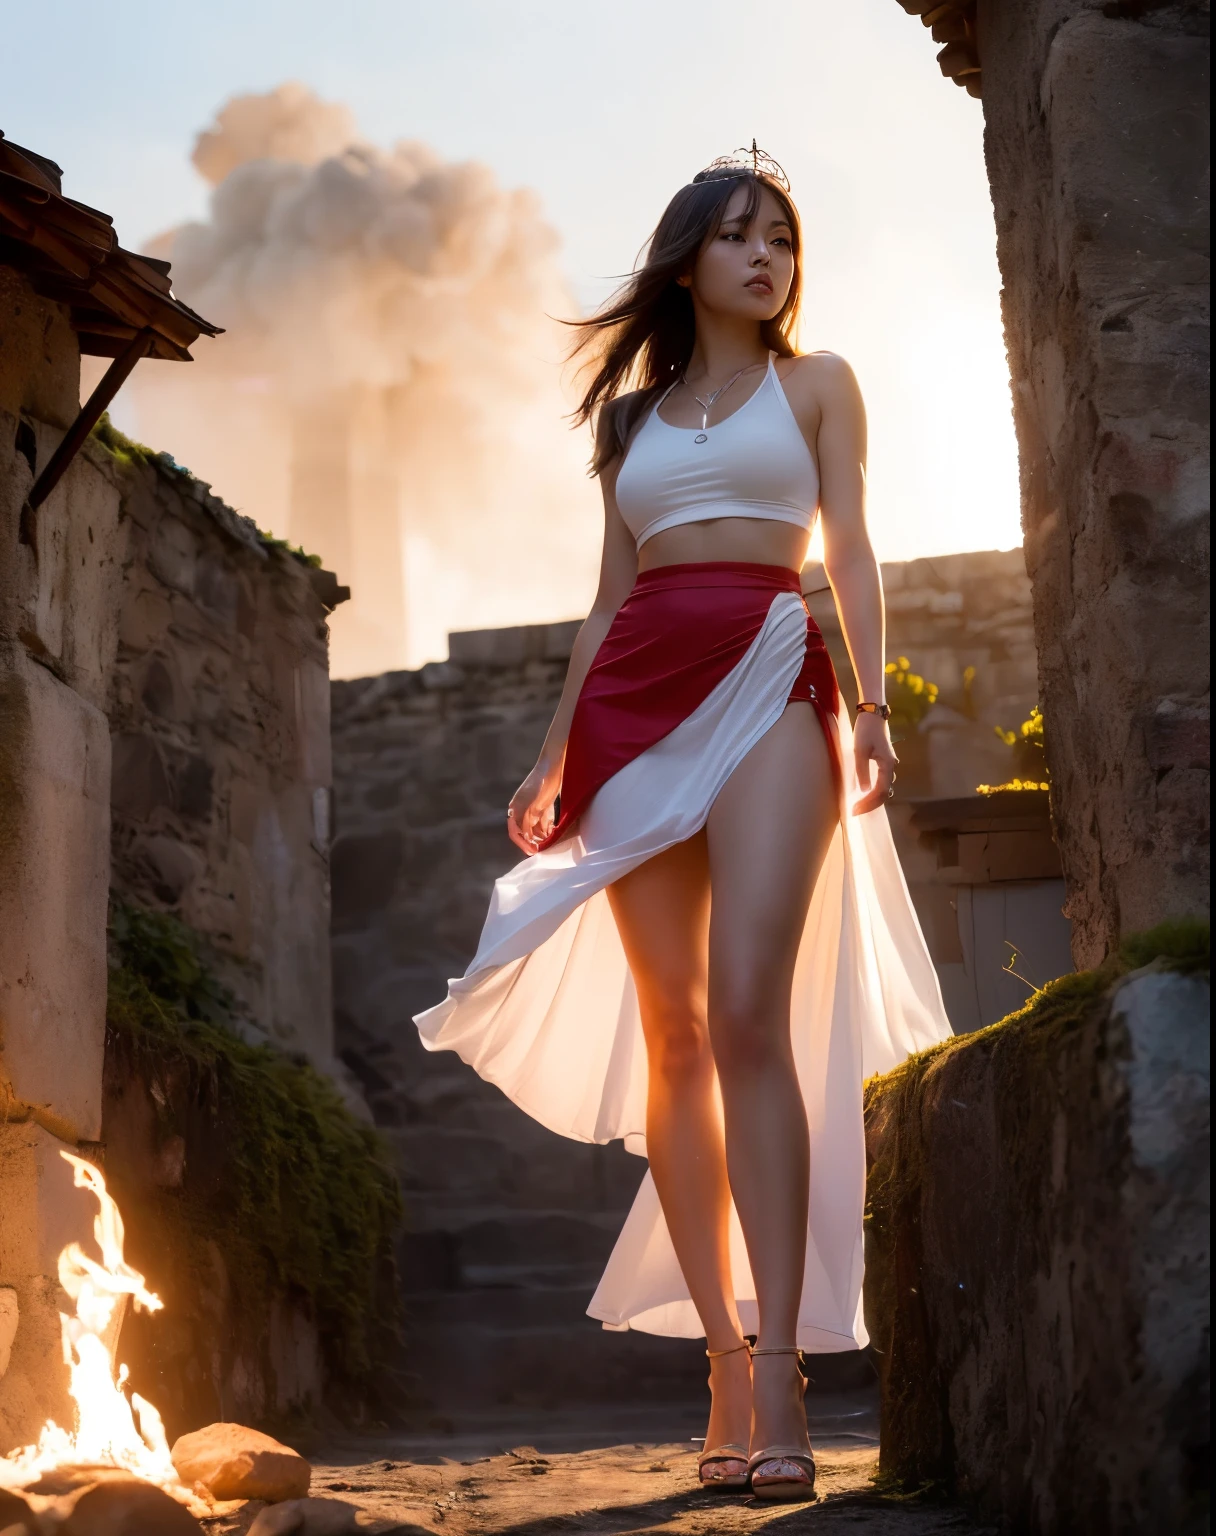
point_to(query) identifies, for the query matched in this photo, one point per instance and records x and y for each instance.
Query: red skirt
(677, 635)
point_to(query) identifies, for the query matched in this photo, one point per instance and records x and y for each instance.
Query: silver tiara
(752, 160)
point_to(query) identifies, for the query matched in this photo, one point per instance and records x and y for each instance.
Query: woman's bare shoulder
(822, 369)
(818, 381)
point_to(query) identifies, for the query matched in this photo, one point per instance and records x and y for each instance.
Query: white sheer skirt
(547, 1008)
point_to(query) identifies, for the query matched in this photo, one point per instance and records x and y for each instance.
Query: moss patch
(305, 1200)
(296, 551)
(121, 447)
(1184, 946)
(127, 452)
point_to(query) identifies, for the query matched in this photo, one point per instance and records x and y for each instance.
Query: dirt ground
(585, 1473)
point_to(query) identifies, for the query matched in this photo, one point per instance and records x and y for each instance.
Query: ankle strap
(716, 1354)
(788, 1349)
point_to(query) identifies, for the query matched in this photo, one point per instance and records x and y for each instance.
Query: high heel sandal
(782, 1473)
(728, 1456)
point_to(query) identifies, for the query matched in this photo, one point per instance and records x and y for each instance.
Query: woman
(710, 942)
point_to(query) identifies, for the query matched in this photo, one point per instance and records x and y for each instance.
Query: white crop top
(755, 463)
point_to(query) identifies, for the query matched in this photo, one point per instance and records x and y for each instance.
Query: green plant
(296, 550)
(1184, 944)
(123, 448)
(308, 1200)
(967, 706)
(909, 695)
(1029, 756)
(126, 452)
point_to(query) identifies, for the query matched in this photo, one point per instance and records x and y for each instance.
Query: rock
(70, 1478)
(306, 1517)
(128, 1507)
(9, 1314)
(1037, 1262)
(234, 1462)
(16, 1517)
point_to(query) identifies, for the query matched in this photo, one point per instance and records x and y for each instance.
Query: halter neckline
(769, 369)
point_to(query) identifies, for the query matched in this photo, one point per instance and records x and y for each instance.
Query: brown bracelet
(883, 711)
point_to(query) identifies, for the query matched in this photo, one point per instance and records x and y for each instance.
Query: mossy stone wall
(1037, 1261)
(258, 1207)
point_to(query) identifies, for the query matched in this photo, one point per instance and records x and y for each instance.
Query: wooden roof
(71, 253)
(952, 23)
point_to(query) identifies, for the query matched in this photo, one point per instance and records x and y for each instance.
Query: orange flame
(110, 1431)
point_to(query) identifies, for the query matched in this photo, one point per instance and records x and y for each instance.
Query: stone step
(497, 1348)
(483, 1163)
(507, 1248)
(481, 1307)
(546, 1366)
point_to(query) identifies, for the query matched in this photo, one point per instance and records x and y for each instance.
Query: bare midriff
(746, 539)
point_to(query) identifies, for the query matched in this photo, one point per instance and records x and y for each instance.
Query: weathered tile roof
(71, 253)
(953, 23)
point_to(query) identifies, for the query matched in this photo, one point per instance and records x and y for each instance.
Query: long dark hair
(643, 337)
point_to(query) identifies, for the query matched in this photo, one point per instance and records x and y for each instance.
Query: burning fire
(110, 1430)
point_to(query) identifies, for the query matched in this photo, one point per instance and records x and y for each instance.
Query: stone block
(513, 647)
(40, 358)
(1178, 736)
(174, 866)
(140, 781)
(63, 604)
(491, 647)
(54, 850)
(1037, 1263)
(560, 638)
(173, 554)
(364, 871)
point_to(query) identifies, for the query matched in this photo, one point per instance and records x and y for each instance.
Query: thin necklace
(706, 405)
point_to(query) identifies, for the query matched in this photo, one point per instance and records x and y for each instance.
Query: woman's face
(745, 269)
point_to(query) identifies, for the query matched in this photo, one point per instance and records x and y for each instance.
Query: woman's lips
(760, 284)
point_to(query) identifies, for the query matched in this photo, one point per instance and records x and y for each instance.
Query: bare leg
(768, 833)
(662, 914)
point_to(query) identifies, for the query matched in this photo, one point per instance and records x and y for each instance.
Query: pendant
(701, 437)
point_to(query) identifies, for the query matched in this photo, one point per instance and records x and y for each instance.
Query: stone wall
(947, 614)
(219, 707)
(1097, 149)
(163, 699)
(1037, 1262)
(509, 1223)
(57, 642)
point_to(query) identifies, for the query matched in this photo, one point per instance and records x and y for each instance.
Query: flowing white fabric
(548, 1012)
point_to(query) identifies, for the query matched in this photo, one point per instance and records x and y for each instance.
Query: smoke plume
(388, 391)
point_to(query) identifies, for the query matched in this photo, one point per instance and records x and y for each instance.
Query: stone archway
(1096, 145)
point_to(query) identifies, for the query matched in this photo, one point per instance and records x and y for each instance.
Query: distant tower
(346, 507)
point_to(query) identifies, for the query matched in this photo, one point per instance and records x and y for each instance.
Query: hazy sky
(605, 111)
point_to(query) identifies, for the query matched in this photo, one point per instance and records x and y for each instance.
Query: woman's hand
(530, 814)
(875, 759)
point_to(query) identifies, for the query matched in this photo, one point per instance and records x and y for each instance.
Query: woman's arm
(852, 569)
(530, 817)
